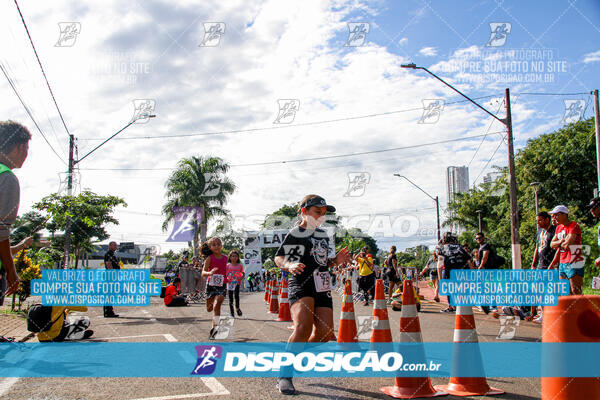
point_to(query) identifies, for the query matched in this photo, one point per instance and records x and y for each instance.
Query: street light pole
(479, 219)
(436, 199)
(72, 163)
(514, 210)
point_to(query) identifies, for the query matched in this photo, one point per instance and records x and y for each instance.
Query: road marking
(216, 388)
(7, 383)
(167, 336)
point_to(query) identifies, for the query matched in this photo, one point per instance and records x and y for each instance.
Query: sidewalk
(14, 326)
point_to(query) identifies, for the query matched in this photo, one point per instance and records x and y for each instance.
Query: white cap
(559, 209)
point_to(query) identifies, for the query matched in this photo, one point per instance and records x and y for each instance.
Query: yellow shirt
(60, 313)
(365, 268)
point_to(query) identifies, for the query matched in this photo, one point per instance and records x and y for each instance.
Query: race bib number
(322, 281)
(216, 280)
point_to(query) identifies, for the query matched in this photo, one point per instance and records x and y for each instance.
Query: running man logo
(432, 109)
(357, 183)
(574, 110)
(508, 327)
(142, 109)
(357, 34)
(207, 359)
(212, 187)
(499, 33)
(293, 252)
(287, 111)
(68, 33)
(365, 326)
(213, 31)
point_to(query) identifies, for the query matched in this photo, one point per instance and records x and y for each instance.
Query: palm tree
(198, 181)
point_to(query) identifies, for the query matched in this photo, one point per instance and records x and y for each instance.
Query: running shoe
(88, 334)
(213, 332)
(448, 310)
(286, 386)
(239, 312)
(538, 320)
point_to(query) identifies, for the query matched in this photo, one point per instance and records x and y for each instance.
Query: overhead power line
(42, 68)
(12, 85)
(275, 127)
(312, 158)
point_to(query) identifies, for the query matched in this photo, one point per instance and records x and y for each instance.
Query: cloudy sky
(219, 93)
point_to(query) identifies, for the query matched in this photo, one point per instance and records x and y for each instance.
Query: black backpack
(39, 318)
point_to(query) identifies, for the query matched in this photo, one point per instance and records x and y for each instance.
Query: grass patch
(589, 290)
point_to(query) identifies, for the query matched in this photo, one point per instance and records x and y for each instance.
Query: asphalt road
(159, 324)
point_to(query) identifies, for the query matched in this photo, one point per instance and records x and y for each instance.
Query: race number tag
(216, 280)
(322, 281)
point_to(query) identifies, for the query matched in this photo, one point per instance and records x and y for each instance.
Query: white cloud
(402, 41)
(271, 50)
(428, 51)
(592, 57)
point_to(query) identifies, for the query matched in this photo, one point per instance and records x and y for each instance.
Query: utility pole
(72, 163)
(597, 125)
(69, 193)
(514, 207)
(479, 219)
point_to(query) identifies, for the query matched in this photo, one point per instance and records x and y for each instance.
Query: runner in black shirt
(304, 254)
(111, 262)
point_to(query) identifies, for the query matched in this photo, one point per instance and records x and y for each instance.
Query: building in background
(457, 181)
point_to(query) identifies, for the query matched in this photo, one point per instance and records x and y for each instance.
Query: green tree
(198, 181)
(89, 213)
(561, 161)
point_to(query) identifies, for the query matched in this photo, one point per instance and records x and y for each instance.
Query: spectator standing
(451, 256)
(111, 262)
(14, 147)
(567, 241)
(366, 280)
(487, 255)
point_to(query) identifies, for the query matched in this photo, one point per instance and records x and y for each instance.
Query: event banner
(504, 287)
(186, 221)
(249, 360)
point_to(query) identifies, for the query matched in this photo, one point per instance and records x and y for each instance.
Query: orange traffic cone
(410, 332)
(381, 323)
(267, 288)
(465, 332)
(347, 331)
(273, 301)
(284, 306)
(574, 319)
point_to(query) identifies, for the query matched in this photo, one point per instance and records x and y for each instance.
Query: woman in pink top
(215, 269)
(235, 276)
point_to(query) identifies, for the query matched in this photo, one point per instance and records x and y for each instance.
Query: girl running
(304, 255)
(235, 274)
(215, 268)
